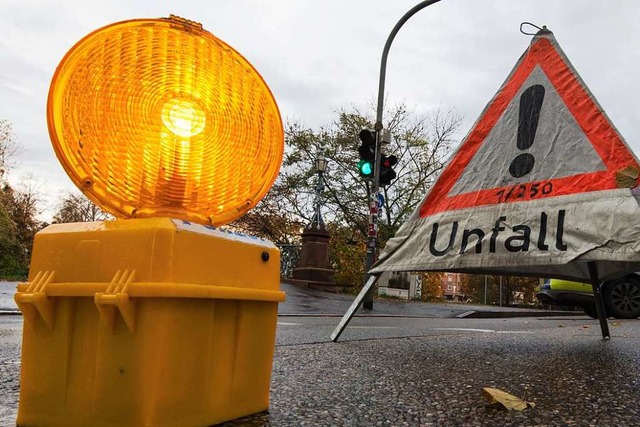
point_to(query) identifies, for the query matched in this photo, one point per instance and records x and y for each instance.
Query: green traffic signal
(367, 154)
(366, 168)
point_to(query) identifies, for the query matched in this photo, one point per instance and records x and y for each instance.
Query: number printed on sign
(525, 191)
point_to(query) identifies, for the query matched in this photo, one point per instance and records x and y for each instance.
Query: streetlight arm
(385, 53)
(372, 238)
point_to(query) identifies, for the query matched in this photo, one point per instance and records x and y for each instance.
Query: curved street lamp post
(366, 294)
(372, 238)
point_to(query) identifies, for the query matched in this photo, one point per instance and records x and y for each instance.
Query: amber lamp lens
(158, 117)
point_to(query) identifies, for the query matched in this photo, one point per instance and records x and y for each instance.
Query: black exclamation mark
(530, 105)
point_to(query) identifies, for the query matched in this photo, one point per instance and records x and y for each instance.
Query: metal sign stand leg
(597, 293)
(353, 308)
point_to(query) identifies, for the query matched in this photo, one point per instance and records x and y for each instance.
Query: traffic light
(387, 174)
(367, 152)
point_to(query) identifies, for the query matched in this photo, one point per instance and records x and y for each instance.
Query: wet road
(293, 330)
(434, 377)
(429, 371)
(309, 301)
(10, 336)
(423, 369)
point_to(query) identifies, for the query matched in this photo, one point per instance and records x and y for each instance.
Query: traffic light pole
(372, 235)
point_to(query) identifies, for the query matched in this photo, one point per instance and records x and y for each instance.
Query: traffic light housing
(387, 174)
(367, 152)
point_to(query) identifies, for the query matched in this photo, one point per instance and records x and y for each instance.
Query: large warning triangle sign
(542, 185)
(543, 135)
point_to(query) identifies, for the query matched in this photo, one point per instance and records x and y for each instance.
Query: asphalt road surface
(433, 374)
(419, 365)
(430, 371)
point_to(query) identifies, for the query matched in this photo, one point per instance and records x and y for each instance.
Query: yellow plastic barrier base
(150, 322)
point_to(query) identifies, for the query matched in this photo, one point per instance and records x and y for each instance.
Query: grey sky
(322, 55)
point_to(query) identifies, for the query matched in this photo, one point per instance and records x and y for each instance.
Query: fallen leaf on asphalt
(502, 399)
(615, 324)
(586, 326)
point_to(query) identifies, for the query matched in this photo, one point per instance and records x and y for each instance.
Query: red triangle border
(599, 131)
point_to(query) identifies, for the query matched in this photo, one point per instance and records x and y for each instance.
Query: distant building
(452, 286)
(399, 284)
(409, 286)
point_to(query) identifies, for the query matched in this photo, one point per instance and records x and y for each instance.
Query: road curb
(471, 314)
(411, 316)
(507, 314)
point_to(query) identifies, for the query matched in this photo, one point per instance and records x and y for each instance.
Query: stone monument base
(314, 270)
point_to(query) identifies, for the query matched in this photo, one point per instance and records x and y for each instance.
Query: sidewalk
(302, 301)
(7, 304)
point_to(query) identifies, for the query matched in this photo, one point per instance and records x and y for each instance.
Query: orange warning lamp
(156, 120)
(158, 117)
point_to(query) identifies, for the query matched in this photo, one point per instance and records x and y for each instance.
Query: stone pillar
(313, 269)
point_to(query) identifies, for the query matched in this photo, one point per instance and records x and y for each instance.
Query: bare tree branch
(8, 147)
(421, 143)
(78, 208)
